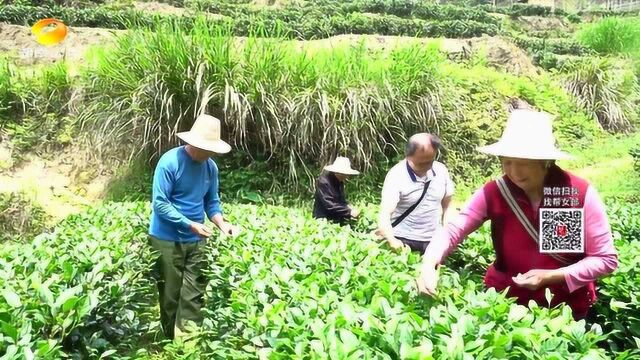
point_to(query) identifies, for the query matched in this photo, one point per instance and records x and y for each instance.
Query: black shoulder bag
(412, 207)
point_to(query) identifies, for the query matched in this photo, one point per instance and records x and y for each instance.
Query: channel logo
(49, 32)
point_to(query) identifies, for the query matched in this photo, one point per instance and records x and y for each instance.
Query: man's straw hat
(205, 135)
(342, 165)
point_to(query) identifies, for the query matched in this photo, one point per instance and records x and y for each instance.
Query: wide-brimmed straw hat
(342, 165)
(527, 135)
(205, 135)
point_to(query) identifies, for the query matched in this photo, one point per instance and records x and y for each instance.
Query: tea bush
(80, 290)
(618, 306)
(290, 23)
(288, 287)
(304, 288)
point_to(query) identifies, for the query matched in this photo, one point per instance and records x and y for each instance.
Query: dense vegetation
(263, 87)
(188, 63)
(21, 218)
(289, 286)
(291, 23)
(307, 20)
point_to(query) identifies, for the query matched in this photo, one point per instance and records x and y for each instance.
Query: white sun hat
(205, 135)
(527, 135)
(342, 165)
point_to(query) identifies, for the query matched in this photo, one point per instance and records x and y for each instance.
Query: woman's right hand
(428, 280)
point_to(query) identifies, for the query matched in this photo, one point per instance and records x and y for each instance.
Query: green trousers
(181, 284)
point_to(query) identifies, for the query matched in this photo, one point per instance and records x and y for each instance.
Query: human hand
(229, 229)
(396, 244)
(428, 280)
(201, 230)
(532, 279)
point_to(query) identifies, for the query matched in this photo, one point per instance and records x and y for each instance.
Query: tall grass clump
(612, 35)
(6, 96)
(21, 217)
(296, 106)
(35, 91)
(35, 106)
(607, 89)
(50, 90)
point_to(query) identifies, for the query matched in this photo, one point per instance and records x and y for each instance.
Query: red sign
(561, 230)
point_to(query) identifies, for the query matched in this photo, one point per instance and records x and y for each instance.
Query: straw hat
(527, 135)
(342, 165)
(205, 135)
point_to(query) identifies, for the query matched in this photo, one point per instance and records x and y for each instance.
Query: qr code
(561, 230)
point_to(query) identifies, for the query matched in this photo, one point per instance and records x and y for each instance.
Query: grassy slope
(608, 165)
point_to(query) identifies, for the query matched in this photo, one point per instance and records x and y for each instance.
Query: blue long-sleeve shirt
(184, 190)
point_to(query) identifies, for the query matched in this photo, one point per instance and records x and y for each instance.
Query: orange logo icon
(49, 31)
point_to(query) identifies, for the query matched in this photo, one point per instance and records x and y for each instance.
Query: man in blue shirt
(185, 188)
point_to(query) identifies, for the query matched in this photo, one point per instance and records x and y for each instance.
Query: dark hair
(412, 146)
(436, 144)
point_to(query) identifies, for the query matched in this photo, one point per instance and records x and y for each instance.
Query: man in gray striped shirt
(418, 183)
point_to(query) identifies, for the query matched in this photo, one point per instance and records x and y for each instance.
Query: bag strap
(412, 207)
(533, 232)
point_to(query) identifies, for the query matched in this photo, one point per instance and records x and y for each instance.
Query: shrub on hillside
(70, 3)
(574, 18)
(603, 13)
(612, 35)
(405, 9)
(88, 17)
(555, 46)
(21, 218)
(546, 60)
(291, 23)
(516, 10)
(607, 89)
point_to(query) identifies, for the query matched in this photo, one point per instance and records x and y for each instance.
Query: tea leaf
(12, 298)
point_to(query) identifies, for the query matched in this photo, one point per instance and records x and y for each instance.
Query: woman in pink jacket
(549, 227)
